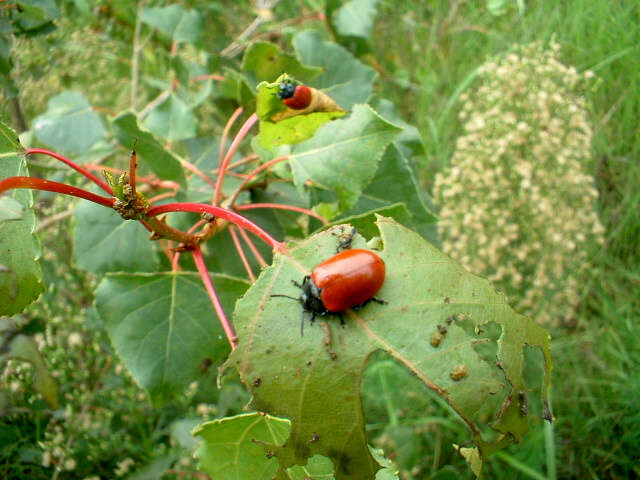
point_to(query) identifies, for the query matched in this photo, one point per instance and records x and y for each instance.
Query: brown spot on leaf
(524, 403)
(458, 372)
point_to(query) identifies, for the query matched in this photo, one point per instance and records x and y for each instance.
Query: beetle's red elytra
(294, 95)
(301, 98)
(348, 279)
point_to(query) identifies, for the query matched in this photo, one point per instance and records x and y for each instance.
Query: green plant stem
(388, 401)
(49, 186)
(521, 466)
(550, 449)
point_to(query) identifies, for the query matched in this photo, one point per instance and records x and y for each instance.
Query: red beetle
(349, 279)
(346, 280)
(294, 95)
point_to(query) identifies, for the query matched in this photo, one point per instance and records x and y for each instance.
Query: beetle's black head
(310, 298)
(287, 90)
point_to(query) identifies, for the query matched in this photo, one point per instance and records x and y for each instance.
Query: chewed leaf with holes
(437, 323)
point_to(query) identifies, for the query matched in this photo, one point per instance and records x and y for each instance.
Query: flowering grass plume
(518, 205)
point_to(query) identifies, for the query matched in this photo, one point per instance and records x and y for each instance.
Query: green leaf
(237, 87)
(321, 467)
(314, 380)
(293, 129)
(189, 28)
(14, 345)
(69, 124)
(150, 151)
(172, 120)
(163, 326)
(409, 141)
(175, 22)
(231, 447)
(36, 14)
(10, 209)
(350, 84)
(393, 183)
(343, 155)
(20, 273)
(355, 18)
(264, 61)
(105, 242)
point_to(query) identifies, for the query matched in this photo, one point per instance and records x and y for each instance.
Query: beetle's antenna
(283, 296)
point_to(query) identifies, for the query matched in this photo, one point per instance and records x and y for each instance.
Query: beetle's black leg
(364, 304)
(379, 300)
(299, 285)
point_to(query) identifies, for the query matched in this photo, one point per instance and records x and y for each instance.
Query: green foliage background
(425, 56)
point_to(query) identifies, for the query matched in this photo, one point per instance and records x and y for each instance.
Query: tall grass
(429, 53)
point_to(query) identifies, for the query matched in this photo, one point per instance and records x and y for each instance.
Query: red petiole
(83, 171)
(49, 186)
(219, 212)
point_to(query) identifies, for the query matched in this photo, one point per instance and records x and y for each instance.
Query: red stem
(253, 174)
(253, 248)
(230, 153)
(133, 166)
(223, 143)
(221, 213)
(49, 186)
(208, 285)
(243, 257)
(311, 213)
(83, 171)
(192, 168)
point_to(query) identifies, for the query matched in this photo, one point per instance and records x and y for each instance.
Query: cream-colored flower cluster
(518, 205)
